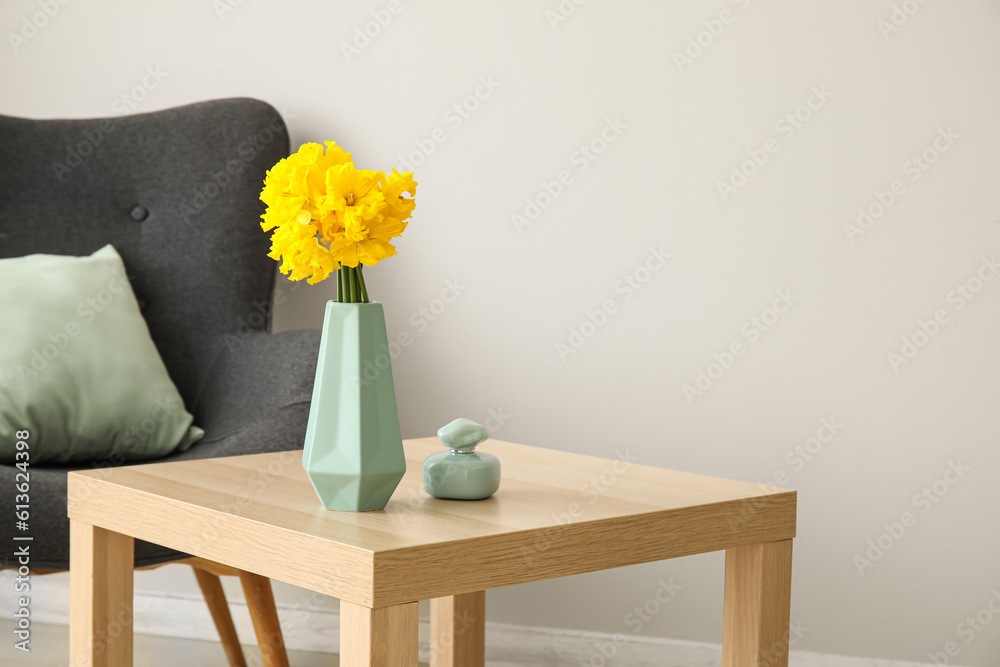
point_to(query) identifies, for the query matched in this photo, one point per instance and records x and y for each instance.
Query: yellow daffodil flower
(325, 215)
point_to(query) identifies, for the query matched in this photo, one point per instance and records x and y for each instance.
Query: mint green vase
(353, 452)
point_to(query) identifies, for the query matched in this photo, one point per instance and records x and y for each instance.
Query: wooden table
(555, 514)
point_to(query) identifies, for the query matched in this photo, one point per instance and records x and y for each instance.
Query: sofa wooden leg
(260, 600)
(215, 598)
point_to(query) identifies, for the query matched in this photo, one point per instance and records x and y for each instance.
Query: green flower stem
(351, 286)
(361, 284)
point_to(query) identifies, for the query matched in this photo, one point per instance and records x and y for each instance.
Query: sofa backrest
(176, 192)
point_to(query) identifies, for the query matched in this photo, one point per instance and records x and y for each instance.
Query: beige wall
(667, 132)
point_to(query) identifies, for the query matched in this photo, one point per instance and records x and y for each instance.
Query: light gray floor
(50, 648)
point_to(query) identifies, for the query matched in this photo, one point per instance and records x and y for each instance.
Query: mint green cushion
(78, 368)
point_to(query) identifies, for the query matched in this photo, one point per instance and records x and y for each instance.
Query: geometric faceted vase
(353, 450)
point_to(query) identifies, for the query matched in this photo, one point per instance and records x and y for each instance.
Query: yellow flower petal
(323, 212)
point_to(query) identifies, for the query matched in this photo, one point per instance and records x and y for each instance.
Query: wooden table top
(556, 514)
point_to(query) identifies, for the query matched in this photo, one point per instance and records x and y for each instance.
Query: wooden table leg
(100, 569)
(756, 610)
(458, 630)
(384, 637)
(260, 601)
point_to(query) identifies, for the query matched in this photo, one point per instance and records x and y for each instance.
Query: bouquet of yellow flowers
(327, 216)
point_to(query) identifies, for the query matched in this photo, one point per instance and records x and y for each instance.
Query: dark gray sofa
(176, 192)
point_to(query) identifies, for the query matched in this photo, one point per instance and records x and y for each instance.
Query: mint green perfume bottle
(462, 473)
